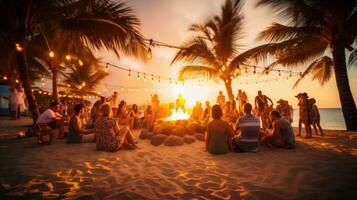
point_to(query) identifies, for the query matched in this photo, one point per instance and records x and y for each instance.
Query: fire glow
(177, 115)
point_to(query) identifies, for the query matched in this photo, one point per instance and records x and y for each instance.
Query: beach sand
(319, 168)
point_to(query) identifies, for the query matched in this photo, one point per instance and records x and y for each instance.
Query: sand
(319, 168)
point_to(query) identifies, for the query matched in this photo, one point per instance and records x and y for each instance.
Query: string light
(80, 62)
(129, 75)
(106, 68)
(152, 78)
(68, 57)
(279, 73)
(51, 54)
(224, 67)
(4, 77)
(144, 77)
(138, 77)
(149, 52)
(18, 47)
(84, 84)
(17, 81)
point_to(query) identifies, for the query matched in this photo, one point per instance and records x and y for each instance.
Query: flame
(177, 115)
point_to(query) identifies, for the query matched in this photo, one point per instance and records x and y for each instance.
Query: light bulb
(80, 62)
(149, 54)
(18, 47)
(68, 57)
(51, 54)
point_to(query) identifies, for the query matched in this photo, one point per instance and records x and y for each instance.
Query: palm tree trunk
(54, 83)
(347, 103)
(228, 84)
(25, 79)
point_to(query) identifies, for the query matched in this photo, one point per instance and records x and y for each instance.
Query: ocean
(331, 118)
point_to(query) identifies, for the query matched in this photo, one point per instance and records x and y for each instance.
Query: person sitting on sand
(226, 111)
(305, 114)
(206, 113)
(149, 118)
(221, 99)
(219, 133)
(316, 117)
(125, 118)
(282, 135)
(135, 114)
(109, 137)
(53, 119)
(76, 133)
(249, 127)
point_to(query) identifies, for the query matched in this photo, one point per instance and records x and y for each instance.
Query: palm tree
(83, 79)
(316, 29)
(215, 48)
(97, 24)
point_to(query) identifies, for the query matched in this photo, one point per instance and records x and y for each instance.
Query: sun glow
(192, 92)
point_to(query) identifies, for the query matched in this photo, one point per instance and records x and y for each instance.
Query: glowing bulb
(80, 62)
(32, 90)
(138, 77)
(129, 76)
(17, 81)
(84, 84)
(18, 47)
(51, 54)
(149, 54)
(224, 67)
(279, 73)
(68, 57)
(4, 77)
(40, 92)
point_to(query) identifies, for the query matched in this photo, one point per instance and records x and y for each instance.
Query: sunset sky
(168, 21)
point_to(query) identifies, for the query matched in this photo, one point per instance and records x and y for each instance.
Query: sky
(168, 21)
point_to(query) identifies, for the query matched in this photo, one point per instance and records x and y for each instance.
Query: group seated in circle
(247, 135)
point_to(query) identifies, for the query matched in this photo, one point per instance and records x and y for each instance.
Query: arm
(256, 102)
(208, 137)
(230, 131)
(270, 100)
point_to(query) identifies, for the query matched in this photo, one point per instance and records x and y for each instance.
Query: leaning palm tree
(315, 30)
(96, 23)
(83, 79)
(215, 48)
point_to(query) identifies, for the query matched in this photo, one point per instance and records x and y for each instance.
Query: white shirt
(47, 117)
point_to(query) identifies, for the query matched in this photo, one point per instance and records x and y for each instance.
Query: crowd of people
(248, 127)
(229, 125)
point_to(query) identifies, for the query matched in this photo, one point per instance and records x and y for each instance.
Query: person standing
(155, 102)
(14, 102)
(316, 117)
(221, 99)
(261, 102)
(284, 109)
(305, 116)
(114, 102)
(21, 101)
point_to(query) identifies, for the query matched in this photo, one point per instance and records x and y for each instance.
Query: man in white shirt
(53, 119)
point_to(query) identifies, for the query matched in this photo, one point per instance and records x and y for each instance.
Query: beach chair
(45, 134)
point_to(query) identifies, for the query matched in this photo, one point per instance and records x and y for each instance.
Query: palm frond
(277, 32)
(197, 71)
(196, 50)
(116, 28)
(352, 60)
(321, 69)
